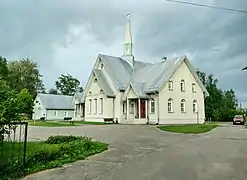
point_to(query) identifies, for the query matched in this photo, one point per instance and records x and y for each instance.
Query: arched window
(90, 93)
(194, 106)
(101, 91)
(182, 85)
(183, 106)
(170, 105)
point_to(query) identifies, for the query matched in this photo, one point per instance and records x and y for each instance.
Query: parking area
(144, 152)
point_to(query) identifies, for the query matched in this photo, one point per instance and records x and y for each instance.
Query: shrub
(63, 139)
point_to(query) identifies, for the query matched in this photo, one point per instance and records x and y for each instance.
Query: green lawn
(49, 123)
(52, 153)
(193, 128)
(61, 123)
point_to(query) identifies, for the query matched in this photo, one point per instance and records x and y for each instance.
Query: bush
(63, 139)
(54, 152)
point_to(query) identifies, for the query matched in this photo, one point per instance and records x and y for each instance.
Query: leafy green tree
(24, 74)
(67, 84)
(9, 109)
(4, 72)
(219, 105)
(25, 102)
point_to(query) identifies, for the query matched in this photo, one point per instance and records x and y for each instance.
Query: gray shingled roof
(119, 70)
(103, 83)
(144, 77)
(52, 101)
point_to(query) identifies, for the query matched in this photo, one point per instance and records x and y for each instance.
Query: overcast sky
(65, 36)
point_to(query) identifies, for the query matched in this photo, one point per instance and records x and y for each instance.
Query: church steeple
(128, 45)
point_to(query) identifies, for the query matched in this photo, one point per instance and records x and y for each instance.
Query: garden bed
(54, 152)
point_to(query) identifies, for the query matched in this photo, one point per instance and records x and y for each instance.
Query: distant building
(57, 107)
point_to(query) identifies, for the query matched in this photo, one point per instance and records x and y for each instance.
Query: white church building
(134, 92)
(129, 91)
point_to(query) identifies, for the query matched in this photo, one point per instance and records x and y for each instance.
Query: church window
(170, 85)
(194, 106)
(152, 106)
(101, 66)
(95, 80)
(193, 87)
(183, 106)
(170, 105)
(182, 85)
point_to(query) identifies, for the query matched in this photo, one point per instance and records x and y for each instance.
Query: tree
(24, 74)
(219, 105)
(53, 91)
(67, 84)
(4, 72)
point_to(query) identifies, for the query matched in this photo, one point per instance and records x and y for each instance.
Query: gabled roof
(52, 101)
(119, 70)
(143, 77)
(103, 83)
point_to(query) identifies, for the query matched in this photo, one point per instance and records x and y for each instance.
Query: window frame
(95, 106)
(101, 106)
(182, 85)
(194, 104)
(183, 105)
(194, 87)
(152, 107)
(170, 85)
(90, 107)
(170, 104)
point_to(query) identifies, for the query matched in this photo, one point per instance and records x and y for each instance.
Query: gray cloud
(64, 36)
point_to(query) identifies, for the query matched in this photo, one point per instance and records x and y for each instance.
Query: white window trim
(95, 106)
(55, 113)
(182, 85)
(90, 107)
(170, 85)
(101, 106)
(194, 103)
(194, 87)
(184, 106)
(152, 107)
(170, 101)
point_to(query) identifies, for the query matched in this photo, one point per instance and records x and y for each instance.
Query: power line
(208, 6)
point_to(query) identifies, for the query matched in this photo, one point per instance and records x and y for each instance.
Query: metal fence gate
(13, 145)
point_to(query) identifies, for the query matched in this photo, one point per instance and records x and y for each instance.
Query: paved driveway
(143, 152)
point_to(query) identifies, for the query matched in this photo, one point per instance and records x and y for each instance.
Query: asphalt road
(144, 152)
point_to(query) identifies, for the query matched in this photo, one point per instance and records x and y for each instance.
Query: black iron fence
(13, 144)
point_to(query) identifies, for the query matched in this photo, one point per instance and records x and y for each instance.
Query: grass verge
(54, 152)
(192, 128)
(49, 124)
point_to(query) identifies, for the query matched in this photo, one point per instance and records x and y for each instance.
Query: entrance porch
(79, 111)
(135, 111)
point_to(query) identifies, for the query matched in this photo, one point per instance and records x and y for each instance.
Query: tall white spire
(128, 45)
